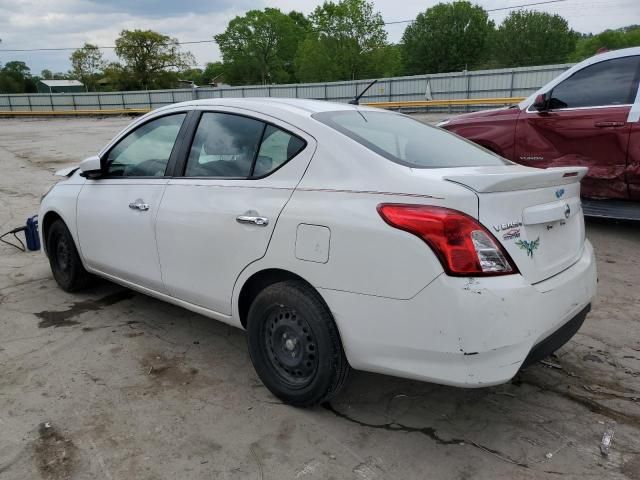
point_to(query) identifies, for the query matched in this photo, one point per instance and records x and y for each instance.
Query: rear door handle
(138, 205)
(609, 124)
(255, 220)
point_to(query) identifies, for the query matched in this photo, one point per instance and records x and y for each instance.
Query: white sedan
(338, 236)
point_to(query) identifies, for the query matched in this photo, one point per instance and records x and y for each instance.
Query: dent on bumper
(468, 332)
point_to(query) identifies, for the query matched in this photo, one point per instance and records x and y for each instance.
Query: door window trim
(183, 157)
(173, 157)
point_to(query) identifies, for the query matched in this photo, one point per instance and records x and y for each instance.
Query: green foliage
(87, 65)
(151, 59)
(532, 38)
(347, 41)
(259, 47)
(15, 77)
(589, 45)
(447, 37)
(212, 72)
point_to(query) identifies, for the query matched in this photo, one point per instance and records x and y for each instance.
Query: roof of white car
(297, 106)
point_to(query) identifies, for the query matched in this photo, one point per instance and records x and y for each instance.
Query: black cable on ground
(14, 232)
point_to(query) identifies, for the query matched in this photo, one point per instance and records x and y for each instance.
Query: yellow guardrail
(407, 104)
(448, 102)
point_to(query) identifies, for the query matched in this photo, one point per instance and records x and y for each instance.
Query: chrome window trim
(579, 108)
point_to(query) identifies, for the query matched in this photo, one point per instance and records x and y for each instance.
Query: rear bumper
(468, 332)
(557, 339)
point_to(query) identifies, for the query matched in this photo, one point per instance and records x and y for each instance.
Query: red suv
(587, 116)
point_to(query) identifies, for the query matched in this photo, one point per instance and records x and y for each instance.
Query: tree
(15, 77)
(46, 74)
(589, 45)
(211, 71)
(345, 43)
(533, 38)
(447, 37)
(260, 46)
(151, 58)
(86, 64)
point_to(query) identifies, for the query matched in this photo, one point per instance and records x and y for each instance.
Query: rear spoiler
(523, 178)
(66, 172)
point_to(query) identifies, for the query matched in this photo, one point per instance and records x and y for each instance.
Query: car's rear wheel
(65, 262)
(294, 344)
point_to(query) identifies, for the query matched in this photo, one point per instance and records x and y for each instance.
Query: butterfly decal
(529, 246)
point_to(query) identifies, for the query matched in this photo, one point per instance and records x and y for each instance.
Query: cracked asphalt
(112, 384)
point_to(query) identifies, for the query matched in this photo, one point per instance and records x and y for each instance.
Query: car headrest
(263, 165)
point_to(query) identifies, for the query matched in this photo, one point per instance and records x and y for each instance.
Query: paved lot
(112, 384)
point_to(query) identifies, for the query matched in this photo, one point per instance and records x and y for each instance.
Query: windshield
(408, 142)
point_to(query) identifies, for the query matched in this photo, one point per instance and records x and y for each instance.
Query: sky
(26, 24)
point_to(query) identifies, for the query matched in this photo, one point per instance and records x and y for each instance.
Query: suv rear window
(406, 141)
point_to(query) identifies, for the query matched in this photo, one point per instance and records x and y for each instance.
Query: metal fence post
(29, 102)
(51, 102)
(73, 101)
(391, 90)
(99, 101)
(173, 97)
(325, 92)
(10, 106)
(513, 74)
(297, 91)
(466, 107)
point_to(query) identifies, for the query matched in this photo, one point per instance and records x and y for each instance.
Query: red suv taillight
(464, 247)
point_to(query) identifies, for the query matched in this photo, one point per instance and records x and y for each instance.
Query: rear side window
(224, 146)
(234, 146)
(277, 148)
(406, 141)
(612, 82)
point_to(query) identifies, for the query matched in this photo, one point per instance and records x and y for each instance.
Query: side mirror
(541, 103)
(91, 167)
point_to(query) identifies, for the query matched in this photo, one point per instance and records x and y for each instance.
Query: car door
(585, 123)
(116, 212)
(239, 172)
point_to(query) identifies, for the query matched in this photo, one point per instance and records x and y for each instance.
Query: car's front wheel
(294, 344)
(65, 262)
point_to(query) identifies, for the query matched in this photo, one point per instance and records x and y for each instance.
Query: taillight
(464, 247)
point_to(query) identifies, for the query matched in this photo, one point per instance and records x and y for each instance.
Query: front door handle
(609, 124)
(255, 220)
(139, 205)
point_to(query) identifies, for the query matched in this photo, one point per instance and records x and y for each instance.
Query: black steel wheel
(294, 344)
(64, 260)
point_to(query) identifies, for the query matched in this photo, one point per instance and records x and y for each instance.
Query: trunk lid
(534, 213)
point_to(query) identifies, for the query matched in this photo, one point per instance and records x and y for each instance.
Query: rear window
(406, 141)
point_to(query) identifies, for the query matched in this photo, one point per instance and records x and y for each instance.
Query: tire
(65, 262)
(294, 344)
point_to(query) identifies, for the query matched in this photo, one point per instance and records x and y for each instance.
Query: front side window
(145, 152)
(406, 141)
(233, 146)
(612, 82)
